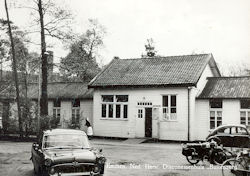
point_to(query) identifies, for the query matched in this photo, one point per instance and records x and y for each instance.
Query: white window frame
(74, 114)
(114, 103)
(74, 110)
(247, 117)
(167, 114)
(215, 110)
(140, 113)
(56, 109)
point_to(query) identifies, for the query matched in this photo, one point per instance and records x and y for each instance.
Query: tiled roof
(157, 71)
(227, 87)
(61, 90)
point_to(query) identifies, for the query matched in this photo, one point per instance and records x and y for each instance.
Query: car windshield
(66, 141)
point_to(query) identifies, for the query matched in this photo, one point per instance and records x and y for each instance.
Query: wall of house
(134, 127)
(202, 119)
(230, 115)
(194, 92)
(231, 111)
(86, 111)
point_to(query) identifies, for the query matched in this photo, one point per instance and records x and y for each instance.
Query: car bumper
(76, 174)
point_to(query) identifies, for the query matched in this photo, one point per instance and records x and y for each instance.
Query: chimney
(116, 57)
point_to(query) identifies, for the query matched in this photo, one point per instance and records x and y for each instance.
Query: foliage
(81, 60)
(25, 61)
(48, 122)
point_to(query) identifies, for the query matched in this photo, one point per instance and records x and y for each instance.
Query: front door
(148, 122)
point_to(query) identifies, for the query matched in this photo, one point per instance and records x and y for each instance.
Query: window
(75, 116)
(245, 104)
(140, 113)
(169, 107)
(118, 111)
(215, 113)
(110, 110)
(125, 111)
(56, 113)
(245, 118)
(104, 109)
(245, 112)
(75, 112)
(76, 103)
(57, 109)
(115, 106)
(215, 119)
(144, 103)
(215, 103)
(57, 103)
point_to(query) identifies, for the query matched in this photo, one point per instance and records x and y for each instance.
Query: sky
(178, 27)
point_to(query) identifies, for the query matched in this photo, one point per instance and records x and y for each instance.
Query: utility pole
(14, 71)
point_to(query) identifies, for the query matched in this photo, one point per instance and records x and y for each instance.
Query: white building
(152, 97)
(224, 100)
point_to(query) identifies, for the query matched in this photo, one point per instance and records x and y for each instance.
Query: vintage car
(64, 152)
(231, 136)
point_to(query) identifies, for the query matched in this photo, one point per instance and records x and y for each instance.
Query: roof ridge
(157, 57)
(103, 70)
(228, 77)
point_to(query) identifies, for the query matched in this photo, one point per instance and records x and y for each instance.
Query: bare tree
(14, 67)
(50, 20)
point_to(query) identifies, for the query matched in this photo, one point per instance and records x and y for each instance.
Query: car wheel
(191, 160)
(214, 138)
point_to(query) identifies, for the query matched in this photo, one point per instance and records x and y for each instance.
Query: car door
(241, 137)
(224, 135)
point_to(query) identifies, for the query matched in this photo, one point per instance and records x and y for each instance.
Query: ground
(122, 159)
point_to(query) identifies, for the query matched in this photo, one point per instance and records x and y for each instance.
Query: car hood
(60, 156)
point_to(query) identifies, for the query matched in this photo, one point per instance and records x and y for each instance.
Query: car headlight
(47, 162)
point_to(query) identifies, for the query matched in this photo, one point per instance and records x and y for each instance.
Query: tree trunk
(14, 67)
(44, 94)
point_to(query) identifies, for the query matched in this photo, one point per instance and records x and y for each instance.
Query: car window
(223, 131)
(66, 140)
(234, 130)
(242, 131)
(239, 131)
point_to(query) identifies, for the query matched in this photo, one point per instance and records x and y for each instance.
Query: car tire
(192, 161)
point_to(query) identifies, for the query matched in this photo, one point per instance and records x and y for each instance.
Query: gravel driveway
(158, 159)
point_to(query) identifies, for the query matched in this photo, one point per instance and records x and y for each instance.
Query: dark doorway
(148, 122)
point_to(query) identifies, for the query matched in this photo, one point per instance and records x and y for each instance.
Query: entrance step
(135, 140)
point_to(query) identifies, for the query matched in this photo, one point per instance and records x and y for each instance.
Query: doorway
(148, 122)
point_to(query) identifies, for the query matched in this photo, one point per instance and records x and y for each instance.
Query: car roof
(230, 125)
(63, 131)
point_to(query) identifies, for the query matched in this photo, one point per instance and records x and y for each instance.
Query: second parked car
(230, 136)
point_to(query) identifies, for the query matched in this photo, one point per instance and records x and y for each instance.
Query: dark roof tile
(171, 70)
(226, 87)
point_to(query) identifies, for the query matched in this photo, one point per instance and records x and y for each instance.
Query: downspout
(188, 113)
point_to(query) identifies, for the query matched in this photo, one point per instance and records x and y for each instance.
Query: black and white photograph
(124, 87)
